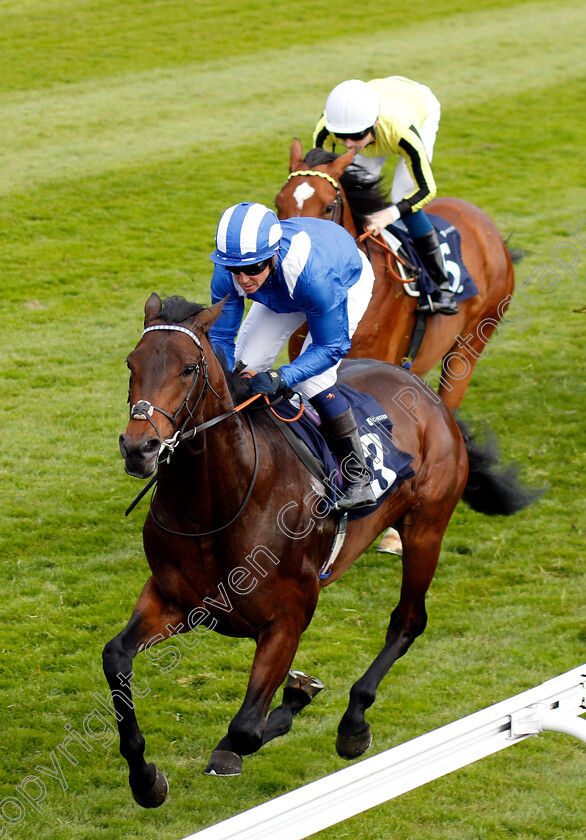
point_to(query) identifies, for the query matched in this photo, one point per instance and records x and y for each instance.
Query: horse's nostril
(145, 450)
(151, 447)
(123, 447)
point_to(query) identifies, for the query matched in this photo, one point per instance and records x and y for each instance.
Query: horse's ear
(207, 316)
(341, 163)
(295, 155)
(152, 308)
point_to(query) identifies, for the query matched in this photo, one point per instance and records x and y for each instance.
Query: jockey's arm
(412, 149)
(327, 319)
(222, 334)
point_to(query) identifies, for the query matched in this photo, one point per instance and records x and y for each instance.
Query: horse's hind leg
(408, 620)
(299, 691)
(153, 620)
(458, 365)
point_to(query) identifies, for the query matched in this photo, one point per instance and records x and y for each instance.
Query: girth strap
(416, 339)
(305, 455)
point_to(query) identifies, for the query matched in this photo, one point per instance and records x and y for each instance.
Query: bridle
(143, 410)
(338, 214)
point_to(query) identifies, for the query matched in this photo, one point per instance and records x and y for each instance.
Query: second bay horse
(320, 186)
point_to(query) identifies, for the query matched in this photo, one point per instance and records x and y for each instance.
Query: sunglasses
(249, 270)
(360, 135)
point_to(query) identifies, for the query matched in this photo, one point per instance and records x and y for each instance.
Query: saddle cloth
(389, 466)
(462, 283)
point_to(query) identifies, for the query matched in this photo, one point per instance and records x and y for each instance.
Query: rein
(338, 215)
(143, 410)
(389, 256)
(242, 506)
(172, 443)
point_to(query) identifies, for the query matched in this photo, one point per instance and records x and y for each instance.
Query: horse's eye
(330, 208)
(189, 370)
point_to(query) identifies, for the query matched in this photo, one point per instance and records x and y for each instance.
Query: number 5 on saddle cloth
(462, 284)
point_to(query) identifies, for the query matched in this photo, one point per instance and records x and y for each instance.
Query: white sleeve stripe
(296, 259)
(238, 289)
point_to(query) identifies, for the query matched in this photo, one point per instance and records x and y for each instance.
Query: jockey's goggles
(249, 270)
(359, 135)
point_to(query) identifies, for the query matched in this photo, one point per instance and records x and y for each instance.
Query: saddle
(405, 265)
(411, 270)
(389, 466)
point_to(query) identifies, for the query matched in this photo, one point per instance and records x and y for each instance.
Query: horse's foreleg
(276, 647)
(147, 625)
(408, 621)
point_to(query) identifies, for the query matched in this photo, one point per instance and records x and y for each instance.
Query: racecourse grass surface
(125, 130)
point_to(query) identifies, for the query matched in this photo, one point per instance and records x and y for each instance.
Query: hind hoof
(224, 763)
(353, 746)
(298, 681)
(391, 543)
(156, 795)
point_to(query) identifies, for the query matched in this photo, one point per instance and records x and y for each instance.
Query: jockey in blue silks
(297, 270)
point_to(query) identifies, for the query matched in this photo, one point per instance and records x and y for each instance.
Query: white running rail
(555, 705)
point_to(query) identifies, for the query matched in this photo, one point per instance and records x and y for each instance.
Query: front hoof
(224, 763)
(156, 795)
(353, 746)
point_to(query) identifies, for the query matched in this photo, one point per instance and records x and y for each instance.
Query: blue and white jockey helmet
(247, 233)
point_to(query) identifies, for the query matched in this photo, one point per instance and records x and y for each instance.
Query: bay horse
(234, 537)
(385, 331)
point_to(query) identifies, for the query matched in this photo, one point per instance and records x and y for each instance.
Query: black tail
(493, 488)
(516, 254)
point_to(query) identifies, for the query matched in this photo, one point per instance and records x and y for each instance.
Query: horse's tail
(516, 254)
(493, 488)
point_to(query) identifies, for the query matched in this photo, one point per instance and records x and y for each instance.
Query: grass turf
(126, 129)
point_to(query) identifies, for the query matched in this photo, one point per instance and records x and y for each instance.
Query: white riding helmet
(352, 107)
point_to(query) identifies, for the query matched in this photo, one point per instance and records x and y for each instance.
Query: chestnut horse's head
(322, 186)
(169, 378)
(313, 190)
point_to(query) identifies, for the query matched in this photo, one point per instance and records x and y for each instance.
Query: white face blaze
(302, 193)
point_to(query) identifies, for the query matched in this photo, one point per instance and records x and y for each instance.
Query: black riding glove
(268, 382)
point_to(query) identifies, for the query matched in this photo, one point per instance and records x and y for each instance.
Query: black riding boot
(341, 433)
(442, 301)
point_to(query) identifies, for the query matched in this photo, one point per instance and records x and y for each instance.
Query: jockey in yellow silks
(393, 116)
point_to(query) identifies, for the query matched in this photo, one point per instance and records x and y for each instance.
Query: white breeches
(264, 333)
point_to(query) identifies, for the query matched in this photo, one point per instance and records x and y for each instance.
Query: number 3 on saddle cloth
(388, 466)
(462, 284)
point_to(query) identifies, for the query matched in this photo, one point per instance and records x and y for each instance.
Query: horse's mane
(365, 193)
(177, 309)
(237, 385)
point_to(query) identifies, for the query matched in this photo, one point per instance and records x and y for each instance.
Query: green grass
(125, 130)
